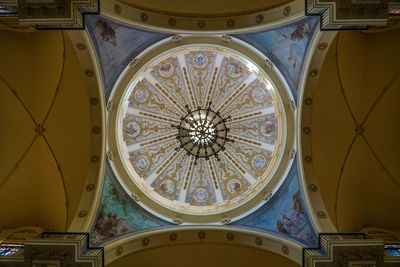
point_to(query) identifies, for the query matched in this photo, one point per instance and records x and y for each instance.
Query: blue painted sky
(286, 47)
(117, 45)
(118, 215)
(280, 205)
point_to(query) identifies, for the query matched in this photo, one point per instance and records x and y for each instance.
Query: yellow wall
(39, 86)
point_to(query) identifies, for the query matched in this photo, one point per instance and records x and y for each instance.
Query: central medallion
(202, 133)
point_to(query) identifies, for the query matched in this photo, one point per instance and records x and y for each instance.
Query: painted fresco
(285, 213)
(117, 216)
(286, 47)
(116, 45)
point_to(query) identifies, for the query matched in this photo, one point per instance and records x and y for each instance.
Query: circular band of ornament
(201, 129)
(190, 21)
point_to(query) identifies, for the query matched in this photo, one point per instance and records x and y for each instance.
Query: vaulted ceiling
(46, 138)
(350, 125)
(52, 121)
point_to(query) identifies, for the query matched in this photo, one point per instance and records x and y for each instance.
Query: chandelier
(202, 133)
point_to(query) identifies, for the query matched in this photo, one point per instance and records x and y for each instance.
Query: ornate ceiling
(201, 129)
(148, 95)
(201, 126)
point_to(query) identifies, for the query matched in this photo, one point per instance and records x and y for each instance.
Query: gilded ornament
(267, 196)
(259, 241)
(321, 214)
(94, 159)
(135, 197)
(109, 105)
(322, 46)
(134, 62)
(202, 235)
(176, 38)
(292, 105)
(145, 242)
(177, 220)
(89, 73)
(90, 187)
(144, 17)
(230, 23)
(313, 73)
(292, 153)
(285, 249)
(172, 22)
(119, 251)
(82, 213)
(313, 188)
(286, 11)
(259, 18)
(268, 63)
(39, 130)
(201, 24)
(94, 101)
(230, 236)
(81, 46)
(110, 155)
(226, 220)
(360, 129)
(117, 8)
(173, 236)
(96, 129)
(226, 38)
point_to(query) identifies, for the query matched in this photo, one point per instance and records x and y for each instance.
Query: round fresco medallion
(259, 95)
(267, 128)
(233, 186)
(166, 70)
(167, 186)
(200, 195)
(141, 95)
(200, 60)
(258, 161)
(142, 162)
(133, 129)
(234, 70)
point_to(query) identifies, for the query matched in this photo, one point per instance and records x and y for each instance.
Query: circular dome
(200, 129)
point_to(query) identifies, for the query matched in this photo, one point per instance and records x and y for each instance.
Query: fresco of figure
(107, 32)
(294, 222)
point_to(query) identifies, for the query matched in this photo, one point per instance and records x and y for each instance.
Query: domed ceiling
(202, 127)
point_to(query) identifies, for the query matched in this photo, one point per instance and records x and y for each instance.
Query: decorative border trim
(314, 202)
(193, 23)
(185, 235)
(90, 198)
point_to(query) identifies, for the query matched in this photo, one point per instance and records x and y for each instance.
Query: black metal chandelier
(202, 133)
